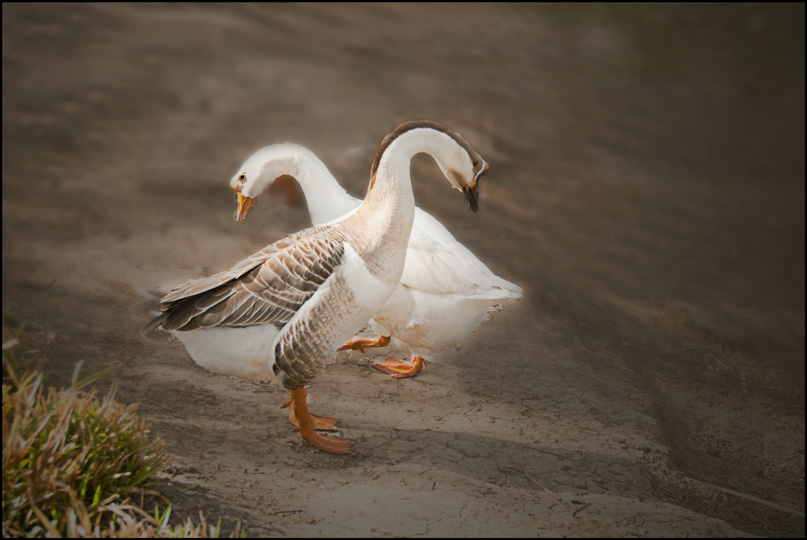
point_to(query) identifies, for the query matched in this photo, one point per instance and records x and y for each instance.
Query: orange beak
(242, 206)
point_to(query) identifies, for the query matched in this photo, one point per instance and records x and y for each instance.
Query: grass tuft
(72, 461)
(67, 449)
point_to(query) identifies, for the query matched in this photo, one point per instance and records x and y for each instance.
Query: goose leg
(324, 423)
(325, 443)
(359, 344)
(401, 368)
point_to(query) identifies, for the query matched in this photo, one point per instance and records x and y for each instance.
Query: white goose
(445, 291)
(287, 308)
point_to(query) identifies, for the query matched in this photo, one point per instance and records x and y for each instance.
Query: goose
(285, 310)
(445, 291)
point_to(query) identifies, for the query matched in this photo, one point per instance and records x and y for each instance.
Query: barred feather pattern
(311, 340)
(269, 287)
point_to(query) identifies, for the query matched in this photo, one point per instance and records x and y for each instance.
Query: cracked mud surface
(651, 380)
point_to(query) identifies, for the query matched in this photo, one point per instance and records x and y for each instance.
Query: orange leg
(325, 443)
(359, 344)
(325, 423)
(401, 368)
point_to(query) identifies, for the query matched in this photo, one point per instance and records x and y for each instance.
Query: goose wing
(268, 287)
(437, 263)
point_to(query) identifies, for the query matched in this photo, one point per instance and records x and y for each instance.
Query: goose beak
(242, 206)
(472, 191)
(472, 196)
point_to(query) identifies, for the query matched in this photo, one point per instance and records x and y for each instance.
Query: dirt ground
(646, 190)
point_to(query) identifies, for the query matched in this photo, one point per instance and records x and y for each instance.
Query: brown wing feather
(266, 288)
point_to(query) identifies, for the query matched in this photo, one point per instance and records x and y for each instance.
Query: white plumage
(287, 308)
(445, 291)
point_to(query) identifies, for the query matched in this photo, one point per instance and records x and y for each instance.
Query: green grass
(73, 461)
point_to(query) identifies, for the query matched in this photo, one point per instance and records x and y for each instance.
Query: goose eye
(242, 177)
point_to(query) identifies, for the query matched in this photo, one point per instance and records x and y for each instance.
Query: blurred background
(646, 189)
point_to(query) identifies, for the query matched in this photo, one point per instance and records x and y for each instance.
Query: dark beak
(472, 196)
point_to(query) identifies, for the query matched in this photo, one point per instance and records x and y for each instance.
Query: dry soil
(646, 191)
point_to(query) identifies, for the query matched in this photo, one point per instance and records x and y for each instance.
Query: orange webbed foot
(332, 445)
(306, 426)
(399, 368)
(359, 344)
(324, 423)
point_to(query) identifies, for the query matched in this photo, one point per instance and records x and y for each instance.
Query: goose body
(287, 308)
(231, 322)
(445, 291)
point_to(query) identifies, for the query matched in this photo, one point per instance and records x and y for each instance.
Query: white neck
(379, 230)
(392, 175)
(326, 199)
(386, 215)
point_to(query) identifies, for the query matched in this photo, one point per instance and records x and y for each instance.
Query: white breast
(368, 290)
(241, 352)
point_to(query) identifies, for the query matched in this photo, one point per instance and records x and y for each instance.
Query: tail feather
(151, 305)
(155, 323)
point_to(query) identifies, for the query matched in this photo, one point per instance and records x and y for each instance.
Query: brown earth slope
(646, 190)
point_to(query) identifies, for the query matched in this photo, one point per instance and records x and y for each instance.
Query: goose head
(462, 166)
(274, 166)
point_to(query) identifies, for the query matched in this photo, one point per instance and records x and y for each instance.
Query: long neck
(391, 183)
(326, 199)
(383, 222)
